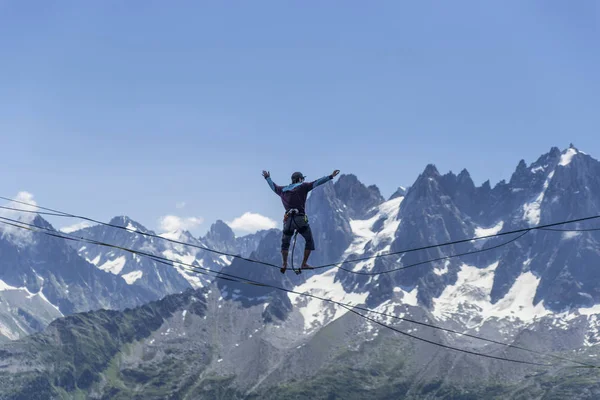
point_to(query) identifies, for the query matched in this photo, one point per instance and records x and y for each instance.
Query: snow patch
(225, 260)
(188, 258)
(115, 266)
(590, 310)
(390, 210)
(471, 293)
(566, 157)
(442, 271)
(180, 261)
(410, 298)
(317, 313)
(95, 261)
(5, 286)
(481, 232)
(570, 235)
(531, 211)
(519, 300)
(363, 233)
(131, 277)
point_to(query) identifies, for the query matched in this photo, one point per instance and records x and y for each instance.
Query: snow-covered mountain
(135, 270)
(540, 291)
(43, 278)
(542, 274)
(350, 220)
(158, 277)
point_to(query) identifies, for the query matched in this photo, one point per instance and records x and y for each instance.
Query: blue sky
(111, 107)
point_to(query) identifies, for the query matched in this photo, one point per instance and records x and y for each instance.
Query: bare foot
(306, 266)
(282, 269)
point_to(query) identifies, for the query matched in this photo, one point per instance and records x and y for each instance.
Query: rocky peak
(126, 222)
(358, 198)
(220, 232)
(430, 171)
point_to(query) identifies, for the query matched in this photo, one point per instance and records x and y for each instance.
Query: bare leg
(305, 260)
(284, 257)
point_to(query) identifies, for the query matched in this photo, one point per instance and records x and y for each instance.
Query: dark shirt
(295, 194)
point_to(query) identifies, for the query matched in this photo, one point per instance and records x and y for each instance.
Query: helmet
(297, 177)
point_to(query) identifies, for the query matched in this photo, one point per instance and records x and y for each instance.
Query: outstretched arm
(323, 180)
(272, 185)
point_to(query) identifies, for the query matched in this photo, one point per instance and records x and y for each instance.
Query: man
(293, 197)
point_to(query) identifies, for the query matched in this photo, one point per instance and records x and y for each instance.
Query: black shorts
(297, 223)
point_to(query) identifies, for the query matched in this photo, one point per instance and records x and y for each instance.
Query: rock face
(221, 237)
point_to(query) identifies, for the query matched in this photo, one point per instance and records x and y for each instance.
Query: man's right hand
(335, 173)
(266, 174)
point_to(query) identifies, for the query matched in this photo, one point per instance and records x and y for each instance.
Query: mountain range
(161, 331)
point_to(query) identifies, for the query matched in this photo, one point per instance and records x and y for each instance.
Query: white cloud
(252, 222)
(171, 223)
(180, 205)
(76, 227)
(25, 197)
(19, 235)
